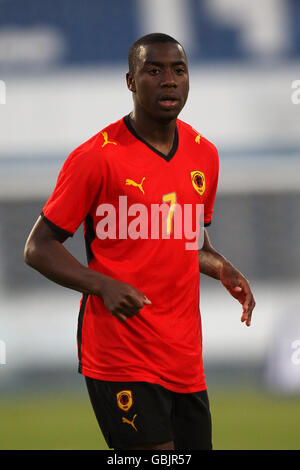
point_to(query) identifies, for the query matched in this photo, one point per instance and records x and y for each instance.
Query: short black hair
(145, 41)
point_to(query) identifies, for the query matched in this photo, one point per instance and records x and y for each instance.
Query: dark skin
(160, 86)
(161, 72)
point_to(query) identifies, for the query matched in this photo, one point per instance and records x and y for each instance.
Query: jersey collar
(165, 157)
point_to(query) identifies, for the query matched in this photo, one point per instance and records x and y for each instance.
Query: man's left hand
(238, 286)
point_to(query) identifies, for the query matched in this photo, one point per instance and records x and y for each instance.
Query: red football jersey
(116, 183)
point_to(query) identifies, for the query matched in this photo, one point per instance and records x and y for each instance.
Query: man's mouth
(168, 101)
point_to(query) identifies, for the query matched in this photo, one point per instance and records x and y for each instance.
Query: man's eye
(180, 71)
(154, 71)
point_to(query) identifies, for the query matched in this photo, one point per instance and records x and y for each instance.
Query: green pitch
(242, 419)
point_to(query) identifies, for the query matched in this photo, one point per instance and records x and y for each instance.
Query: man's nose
(168, 80)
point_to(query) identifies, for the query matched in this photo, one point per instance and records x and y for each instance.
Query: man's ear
(130, 82)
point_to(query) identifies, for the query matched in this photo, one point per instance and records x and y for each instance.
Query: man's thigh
(131, 414)
(192, 421)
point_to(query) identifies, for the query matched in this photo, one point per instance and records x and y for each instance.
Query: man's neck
(160, 134)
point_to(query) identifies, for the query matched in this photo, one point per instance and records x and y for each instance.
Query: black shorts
(136, 413)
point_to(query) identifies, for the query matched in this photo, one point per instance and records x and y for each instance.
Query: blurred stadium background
(63, 66)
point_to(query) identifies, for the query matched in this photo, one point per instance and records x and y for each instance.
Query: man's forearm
(215, 265)
(211, 263)
(44, 251)
(56, 263)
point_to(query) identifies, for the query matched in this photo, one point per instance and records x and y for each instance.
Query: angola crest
(124, 399)
(198, 181)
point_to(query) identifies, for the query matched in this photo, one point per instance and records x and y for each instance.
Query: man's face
(160, 82)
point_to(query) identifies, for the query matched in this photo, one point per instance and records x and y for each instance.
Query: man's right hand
(45, 252)
(121, 299)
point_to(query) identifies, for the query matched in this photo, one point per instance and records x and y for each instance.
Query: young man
(139, 328)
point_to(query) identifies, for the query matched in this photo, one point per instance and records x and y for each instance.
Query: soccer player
(139, 328)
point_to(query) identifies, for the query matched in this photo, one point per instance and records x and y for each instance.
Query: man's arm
(215, 265)
(45, 252)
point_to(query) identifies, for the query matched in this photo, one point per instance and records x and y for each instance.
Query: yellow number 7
(170, 197)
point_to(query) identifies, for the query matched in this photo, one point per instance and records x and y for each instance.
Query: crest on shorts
(125, 400)
(198, 181)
